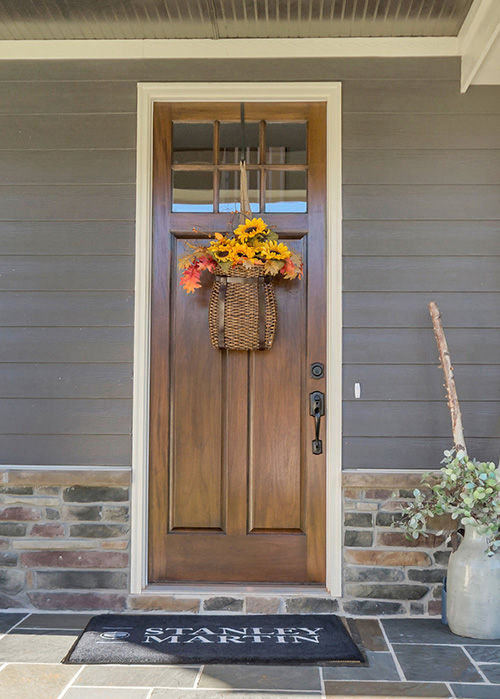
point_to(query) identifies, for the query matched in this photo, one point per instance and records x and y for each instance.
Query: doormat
(308, 639)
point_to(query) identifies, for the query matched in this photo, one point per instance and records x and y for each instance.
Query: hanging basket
(242, 310)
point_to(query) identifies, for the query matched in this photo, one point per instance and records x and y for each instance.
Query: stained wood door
(235, 492)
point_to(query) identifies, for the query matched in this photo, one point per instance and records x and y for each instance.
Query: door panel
(235, 493)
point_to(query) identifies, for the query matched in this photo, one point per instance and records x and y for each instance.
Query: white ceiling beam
(45, 49)
(479, 32)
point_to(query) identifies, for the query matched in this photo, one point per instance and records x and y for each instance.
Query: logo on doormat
(229, 634)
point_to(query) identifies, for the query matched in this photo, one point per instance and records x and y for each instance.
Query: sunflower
(241, 251)
(274, 251)
(250, 229)
(221, 249)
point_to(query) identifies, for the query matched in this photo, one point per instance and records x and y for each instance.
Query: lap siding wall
(421, 169)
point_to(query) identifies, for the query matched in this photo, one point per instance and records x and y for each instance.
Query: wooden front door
(235, 491)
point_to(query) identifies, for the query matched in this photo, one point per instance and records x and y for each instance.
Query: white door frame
(147, 94)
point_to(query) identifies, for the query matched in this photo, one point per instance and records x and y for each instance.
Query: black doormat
(180, 639)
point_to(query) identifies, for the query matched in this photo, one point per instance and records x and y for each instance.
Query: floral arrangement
(251, 244)
(467, 489)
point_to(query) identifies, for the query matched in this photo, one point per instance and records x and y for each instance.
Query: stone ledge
(68, 477)
(374, 479)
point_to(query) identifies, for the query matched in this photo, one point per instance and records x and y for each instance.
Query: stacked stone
(384, 572)
(64, 546)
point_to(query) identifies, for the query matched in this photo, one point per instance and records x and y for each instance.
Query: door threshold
(208, 589)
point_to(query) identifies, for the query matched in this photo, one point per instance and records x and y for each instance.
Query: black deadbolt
(317, 370)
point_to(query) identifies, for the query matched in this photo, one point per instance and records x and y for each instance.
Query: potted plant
(469, 491)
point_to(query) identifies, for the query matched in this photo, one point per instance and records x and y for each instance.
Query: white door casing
(147, 94)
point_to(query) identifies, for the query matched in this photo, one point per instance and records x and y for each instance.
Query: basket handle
(262, 313)
(222, 307)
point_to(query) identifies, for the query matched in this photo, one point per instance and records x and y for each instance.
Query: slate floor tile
(260, 677)
(386, 689)
(55, 621)
(105, 693)
(438, 663)
(380, 667)
(7, 621)
(492, 672)
(369, 633)
(36, 646)
(426, 631)
(138, 676)
(27, 681)
(484, 654)
(476, 691)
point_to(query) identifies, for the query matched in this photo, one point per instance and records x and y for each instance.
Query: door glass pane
(286, 143)
(230, 141)
(192, 143)
(192, 190)
(286, 191)
(229, 190)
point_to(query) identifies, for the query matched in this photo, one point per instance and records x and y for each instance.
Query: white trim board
(148, 93)
(480, 34)
(318, 47)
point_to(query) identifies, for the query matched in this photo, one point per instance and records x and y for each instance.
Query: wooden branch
(244, 199)
(449, 379)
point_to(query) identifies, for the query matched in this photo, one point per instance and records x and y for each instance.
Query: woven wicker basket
(242, 310)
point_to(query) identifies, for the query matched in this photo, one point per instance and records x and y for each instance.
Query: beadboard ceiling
(227, 19)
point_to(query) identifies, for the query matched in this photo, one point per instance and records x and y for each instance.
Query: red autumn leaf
(206, 263)
(190, 278)
(288, 270)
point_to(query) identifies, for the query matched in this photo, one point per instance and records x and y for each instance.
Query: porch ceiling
(227, 19)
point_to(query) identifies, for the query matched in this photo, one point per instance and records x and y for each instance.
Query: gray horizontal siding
(67, 237)
(414, 453)
(66, 308)
(66, 272)
(409, 309)
(417, 96)
(65, 416)
(58, 345)
(417, 419)
(67, 97)
(421, 169)
(67, 167)
(65, 380)
(416, 273)
(407, 202)
(419, 382)
(391, 130)
(49, 131)
(421, 69)
(410, 238)
(417, 346)
(65, 450)
(68, 202)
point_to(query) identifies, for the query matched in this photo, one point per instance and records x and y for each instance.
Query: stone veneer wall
(384, 572)
(65, 540)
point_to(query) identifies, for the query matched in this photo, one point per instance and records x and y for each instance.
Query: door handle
(317, 410)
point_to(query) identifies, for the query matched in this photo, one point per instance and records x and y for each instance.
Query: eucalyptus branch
(466, 489)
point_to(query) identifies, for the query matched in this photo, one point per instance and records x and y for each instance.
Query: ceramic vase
(473, 589)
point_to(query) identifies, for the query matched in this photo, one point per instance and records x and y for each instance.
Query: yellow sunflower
(240, 251)
(221, 250)
(274, 251)
(250, 229)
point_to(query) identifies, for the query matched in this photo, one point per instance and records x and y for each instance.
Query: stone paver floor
(407, 658)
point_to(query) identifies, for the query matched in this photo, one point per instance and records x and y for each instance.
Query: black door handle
(317, 410)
